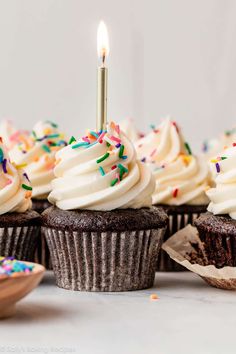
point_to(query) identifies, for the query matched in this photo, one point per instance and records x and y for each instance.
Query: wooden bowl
(14, 288)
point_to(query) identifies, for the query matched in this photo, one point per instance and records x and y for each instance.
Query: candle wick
(103, 59)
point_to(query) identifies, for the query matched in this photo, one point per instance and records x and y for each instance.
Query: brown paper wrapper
(19, 242)
(105, 261)
(186, 248)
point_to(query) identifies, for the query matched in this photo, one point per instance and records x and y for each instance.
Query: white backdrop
(173, 57)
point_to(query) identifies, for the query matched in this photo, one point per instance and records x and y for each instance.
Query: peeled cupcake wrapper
(19, 242)
(104, 261)
(186, 248)
(176, 222)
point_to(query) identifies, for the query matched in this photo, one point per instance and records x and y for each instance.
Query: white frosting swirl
(85, 182)
(223, 196)
(15, 188)
(127, 126)
(181, 178)
(37, 155)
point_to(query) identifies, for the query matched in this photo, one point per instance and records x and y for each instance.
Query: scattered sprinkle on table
(154, 297)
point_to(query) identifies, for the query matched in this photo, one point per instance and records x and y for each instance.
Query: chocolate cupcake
(217, 228)
(103, 234)
(37, 154)
(181, 180)
(19, 227)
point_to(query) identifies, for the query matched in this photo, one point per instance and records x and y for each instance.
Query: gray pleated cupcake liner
(42, 254)
(19, 242)
(176, 223)
(104, 261)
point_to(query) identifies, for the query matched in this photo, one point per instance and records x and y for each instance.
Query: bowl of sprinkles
(17, 279)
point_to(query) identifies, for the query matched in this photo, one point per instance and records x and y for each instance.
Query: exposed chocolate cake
(218, 233)
(179, 217)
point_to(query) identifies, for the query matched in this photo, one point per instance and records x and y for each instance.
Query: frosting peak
(11, 135)
(128, 127)
(15, 188)
(181, 178)
(37, 155)
(213, 147)
(101, 172)
(223, 196)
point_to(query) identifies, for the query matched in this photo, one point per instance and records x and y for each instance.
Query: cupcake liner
(19, 242)
(176, 223)
(42, 254)
(186, 248)
(104, 261)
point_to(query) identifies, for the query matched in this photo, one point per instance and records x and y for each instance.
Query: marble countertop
(189, 317)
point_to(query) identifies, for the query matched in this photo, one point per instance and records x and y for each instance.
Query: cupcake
(37, 155)
(102, 233)
(217, 228)
(181, 179)
(19, 227)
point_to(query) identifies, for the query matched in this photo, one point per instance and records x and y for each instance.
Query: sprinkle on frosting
(175, 192)
(28, 188)
(104, 157)
(217, 167)
(101, 169)
(188, 148)
(82, 143)
(72, 140)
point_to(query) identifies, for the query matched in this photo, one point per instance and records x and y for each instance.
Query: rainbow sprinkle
(72, 140)
(10, 266)
(1, 155)
(217, 167)
(102, 171)
(175, 192)
(114, 181)
(75, 146)
(121, 152)
(28, 188)
(188, 148)
(104, 157)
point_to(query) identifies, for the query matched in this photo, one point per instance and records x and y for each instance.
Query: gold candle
(103, 51)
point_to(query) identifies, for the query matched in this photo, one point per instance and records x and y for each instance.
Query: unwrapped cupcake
(19, 227)
(181, 179)
(102, 233)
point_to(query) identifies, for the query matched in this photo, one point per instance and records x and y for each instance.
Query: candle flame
(102, 41)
